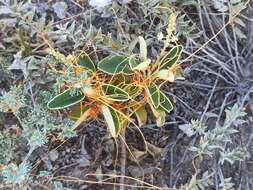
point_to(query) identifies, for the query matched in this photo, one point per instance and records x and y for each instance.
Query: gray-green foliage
(59, 186)
(35, 123)
(203, 183)
(12, 100)
(67, 130)
(5, 147)
(14, 174)
(4, 64)
(216, 138)
(234, 116)
(29, 119)
(185, 27)
(236, 154)
(231, 8)
(227, 184)
(36, 126)
(229, 5)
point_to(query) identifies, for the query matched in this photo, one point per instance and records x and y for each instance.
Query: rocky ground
(197, 148)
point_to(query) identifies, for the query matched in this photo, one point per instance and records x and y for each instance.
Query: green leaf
(240, 22)
(154, 95)
(160, 120)
(115, 65)
(132, 89)
(143, 48)
(112, 119)
(239, 33)
(77, 111)
(141, 115)
(65, 99)
(142, 45)
(115, 93)
(189, 3)
(159, 103)
(179, 74)
(171, 57)
(85, 61)
(237, 8)
(159, 114)
(134, 62)
(165, 103)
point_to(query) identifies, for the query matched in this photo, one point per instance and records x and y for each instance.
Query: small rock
(47, 164)
(83, 162)
(60, 9)
(53, 155)
(100, 4)
(83, 187)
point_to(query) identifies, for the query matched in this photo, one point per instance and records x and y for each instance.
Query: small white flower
(174, 39)
(160, 36)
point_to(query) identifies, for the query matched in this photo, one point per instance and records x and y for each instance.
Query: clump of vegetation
(216, 142)
(119, 86)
